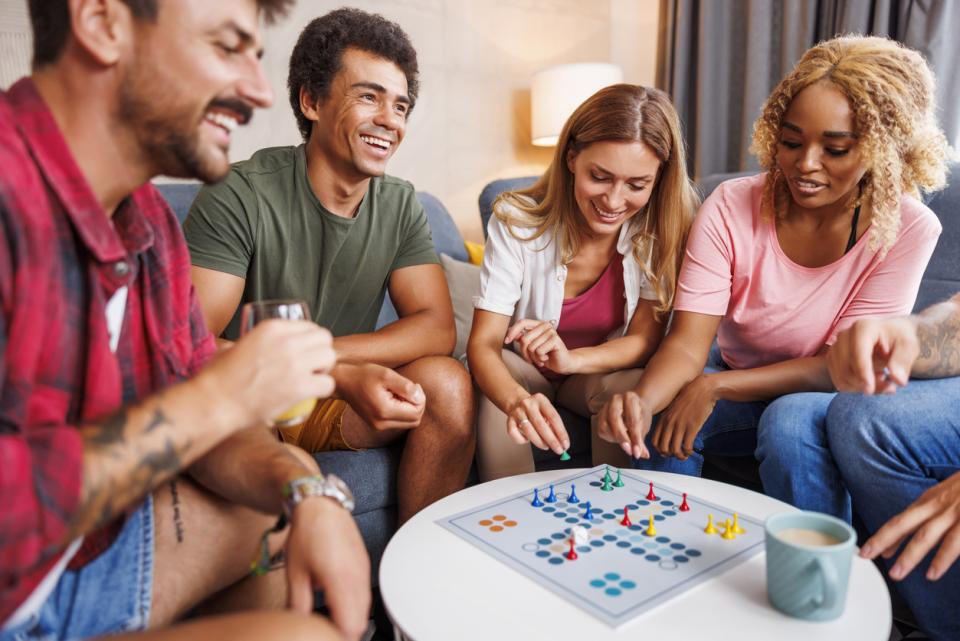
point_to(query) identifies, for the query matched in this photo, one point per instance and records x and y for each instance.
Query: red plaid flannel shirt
(60, 262)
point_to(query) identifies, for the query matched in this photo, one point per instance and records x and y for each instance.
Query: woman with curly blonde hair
(578, 276)
(778, 263)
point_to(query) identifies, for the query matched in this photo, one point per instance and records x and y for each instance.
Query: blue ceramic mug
(808, 564)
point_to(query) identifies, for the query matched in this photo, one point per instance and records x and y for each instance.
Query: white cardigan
(524, 278)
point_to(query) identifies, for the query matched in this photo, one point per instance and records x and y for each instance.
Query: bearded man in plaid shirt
(137, 472)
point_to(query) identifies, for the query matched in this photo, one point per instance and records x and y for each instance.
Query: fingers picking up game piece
(565, 456)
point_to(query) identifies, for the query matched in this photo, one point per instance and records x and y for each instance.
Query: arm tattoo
(938, 334)
(124, 459)
(177, 518)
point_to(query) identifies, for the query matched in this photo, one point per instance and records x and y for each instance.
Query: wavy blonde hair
(890, 89)
(626, 113)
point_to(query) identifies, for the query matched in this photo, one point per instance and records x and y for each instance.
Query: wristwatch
(328, 485)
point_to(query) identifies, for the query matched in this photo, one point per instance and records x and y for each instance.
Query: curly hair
(318, 54)
(890, 89)
(50, 21)
(625, 113)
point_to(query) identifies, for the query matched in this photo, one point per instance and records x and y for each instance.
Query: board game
(613, 570)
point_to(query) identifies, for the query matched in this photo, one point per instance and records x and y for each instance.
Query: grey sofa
(940, 281)
(371, 474)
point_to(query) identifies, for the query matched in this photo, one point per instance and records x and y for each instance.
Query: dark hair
(318, 54)
(50, 20)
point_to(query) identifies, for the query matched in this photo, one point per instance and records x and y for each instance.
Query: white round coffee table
(438, 587)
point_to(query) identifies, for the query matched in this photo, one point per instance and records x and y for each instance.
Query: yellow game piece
(710, 529)
(651, 531)
(727, 531)
(736, 525)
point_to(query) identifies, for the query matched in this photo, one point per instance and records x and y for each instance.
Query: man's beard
(168, 139)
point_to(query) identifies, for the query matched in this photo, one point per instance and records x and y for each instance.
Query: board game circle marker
(597, 543)
(628, 585)
(597, 583)
(496, 528)
(638, 551)
(510, 523)
(667, 564)
(556, 560)
(652, 557)
(693, 553)
(543, 554)
(611, 576)
(486, 522)
(680, 558)
(613, 591)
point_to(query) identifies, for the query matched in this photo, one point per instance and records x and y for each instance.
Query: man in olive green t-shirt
(321, 222)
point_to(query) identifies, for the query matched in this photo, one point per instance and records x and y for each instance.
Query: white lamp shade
(556, 92)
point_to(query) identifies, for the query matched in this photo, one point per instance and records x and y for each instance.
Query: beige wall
(472, 122)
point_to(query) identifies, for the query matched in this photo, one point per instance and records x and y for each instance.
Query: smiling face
(359, 126)
(194, 77)
(818, 152)
(612, 181)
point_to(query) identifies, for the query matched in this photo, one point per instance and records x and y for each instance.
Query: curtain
(719, 59)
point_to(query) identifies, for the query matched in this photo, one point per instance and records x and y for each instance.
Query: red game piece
(572, 554)
(650, 495)
(683, 506)
(626, 517)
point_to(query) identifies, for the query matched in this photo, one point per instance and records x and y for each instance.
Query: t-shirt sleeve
(891, 289)
(416, 243)
(706, 275)
(501, 274)
(221, 227)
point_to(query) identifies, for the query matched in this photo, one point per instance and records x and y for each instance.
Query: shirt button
(560, 277)
(121, 268)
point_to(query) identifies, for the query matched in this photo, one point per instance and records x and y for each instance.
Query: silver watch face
(337, 489)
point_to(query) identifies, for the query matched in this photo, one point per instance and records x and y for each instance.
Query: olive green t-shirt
(264, 223)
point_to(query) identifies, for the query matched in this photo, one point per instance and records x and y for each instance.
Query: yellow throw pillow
(474, 252)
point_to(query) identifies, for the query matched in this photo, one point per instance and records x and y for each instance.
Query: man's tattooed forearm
(939, 340)
(123, 462)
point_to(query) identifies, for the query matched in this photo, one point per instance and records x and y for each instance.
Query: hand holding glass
(259, 311)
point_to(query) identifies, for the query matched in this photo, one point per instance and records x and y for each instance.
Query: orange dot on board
(485, 522)
(510, 523)
(499, 517)
(496, 528)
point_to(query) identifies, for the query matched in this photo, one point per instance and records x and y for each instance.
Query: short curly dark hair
(318, 54)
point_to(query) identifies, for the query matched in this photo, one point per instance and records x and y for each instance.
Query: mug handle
(830, 582)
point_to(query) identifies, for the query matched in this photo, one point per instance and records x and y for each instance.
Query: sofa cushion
(494, 189)
(463, 279)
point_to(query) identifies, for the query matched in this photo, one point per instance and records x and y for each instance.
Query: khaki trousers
(584, 394)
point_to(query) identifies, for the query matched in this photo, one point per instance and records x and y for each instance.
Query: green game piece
(564, 456)
(607, 479)
(619, 482)
(606, 486)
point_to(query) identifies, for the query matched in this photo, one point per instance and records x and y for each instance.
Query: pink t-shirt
(586, 320)
(774, 309)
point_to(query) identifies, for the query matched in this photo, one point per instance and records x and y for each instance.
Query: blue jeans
(889, 450)
(788, 437)
(109, 595)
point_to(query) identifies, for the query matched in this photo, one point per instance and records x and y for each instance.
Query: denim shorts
(109, 595)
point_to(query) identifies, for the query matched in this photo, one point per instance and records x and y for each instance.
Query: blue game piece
(573, 494)
(553, 497)
(588, 514)
(536, 499)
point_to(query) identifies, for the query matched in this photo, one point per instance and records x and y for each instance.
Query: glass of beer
(256, 312)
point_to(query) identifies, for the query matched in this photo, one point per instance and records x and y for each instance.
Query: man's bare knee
(446, 383)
